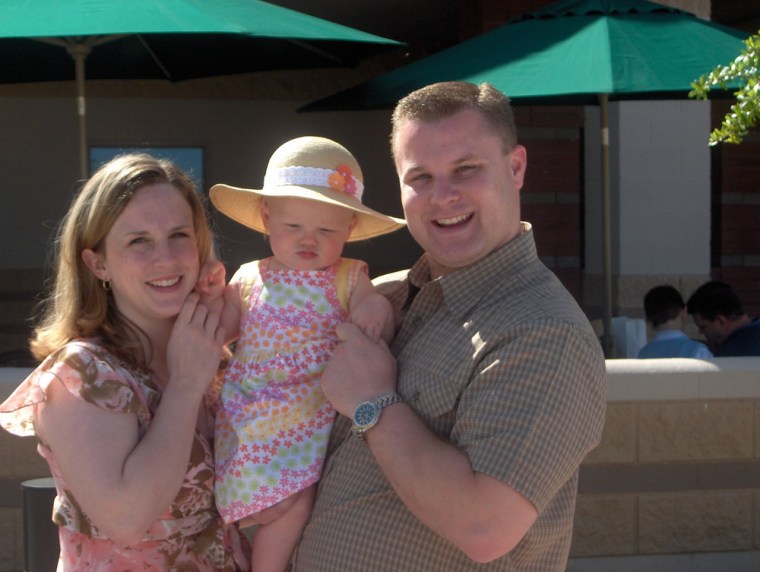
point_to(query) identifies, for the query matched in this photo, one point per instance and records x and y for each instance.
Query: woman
(121, 404)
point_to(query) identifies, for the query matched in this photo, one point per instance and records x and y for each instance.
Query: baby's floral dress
(273, 421)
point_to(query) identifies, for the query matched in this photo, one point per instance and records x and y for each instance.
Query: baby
(274, 422)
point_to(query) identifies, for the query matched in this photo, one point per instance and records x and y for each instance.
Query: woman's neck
(155, 345)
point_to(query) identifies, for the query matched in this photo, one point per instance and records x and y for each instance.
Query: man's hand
(360, 369)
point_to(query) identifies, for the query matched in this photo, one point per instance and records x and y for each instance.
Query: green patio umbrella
(571, 52)
(166, 39)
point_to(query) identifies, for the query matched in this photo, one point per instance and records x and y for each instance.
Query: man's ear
(518, 163)
(96, 263)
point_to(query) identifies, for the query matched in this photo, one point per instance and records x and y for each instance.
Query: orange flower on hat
(349, 183)
(337, 181)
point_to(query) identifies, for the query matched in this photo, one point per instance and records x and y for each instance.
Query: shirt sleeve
(534, 407)
(88, 373)
(91, 375)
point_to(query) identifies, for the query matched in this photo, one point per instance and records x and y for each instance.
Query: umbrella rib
(311, 48)
(54, 41)
(154, 57)
(83, 41)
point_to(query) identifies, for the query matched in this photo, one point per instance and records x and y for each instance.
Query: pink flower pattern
(343, 180)
(189, 534)
(274, 421)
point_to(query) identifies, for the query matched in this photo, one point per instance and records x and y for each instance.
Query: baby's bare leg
(274, 542)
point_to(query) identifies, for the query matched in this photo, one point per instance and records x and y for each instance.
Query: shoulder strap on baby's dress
(249, 276)
(345, 278)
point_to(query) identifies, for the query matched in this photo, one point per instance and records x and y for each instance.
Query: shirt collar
(465, 287)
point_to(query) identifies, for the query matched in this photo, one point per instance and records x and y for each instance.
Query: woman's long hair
(79, 306)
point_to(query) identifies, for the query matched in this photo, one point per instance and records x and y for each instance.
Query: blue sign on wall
(189, 159)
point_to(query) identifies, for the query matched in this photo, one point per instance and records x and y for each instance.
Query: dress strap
(249, 280)
(345, 279)
(341, 281)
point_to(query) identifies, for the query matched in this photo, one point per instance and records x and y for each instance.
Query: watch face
(365, 414)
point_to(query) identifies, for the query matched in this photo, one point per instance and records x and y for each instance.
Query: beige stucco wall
(678, 469)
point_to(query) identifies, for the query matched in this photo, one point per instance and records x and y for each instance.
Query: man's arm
(481, 515)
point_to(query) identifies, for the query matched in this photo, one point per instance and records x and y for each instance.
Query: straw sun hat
(311, 168)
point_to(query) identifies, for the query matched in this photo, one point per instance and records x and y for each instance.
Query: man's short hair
(662, 304)
(713, 299)
(441, 100)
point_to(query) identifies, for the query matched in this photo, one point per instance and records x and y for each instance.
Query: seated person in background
(720, 316)
(666, 315)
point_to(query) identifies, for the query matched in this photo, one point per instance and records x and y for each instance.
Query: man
(720, 316)
(501, 380)
(665, 312)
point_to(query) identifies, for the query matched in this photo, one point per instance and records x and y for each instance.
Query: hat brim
(243, 206)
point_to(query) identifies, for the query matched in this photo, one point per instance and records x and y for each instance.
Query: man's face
(714, 331)
(459, 188)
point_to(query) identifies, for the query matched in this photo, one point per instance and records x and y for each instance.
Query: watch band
(388, 399)
(367, 413)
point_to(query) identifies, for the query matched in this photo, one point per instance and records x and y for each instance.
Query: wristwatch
(367, 413)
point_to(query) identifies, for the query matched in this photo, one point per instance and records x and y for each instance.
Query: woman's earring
(106, 285)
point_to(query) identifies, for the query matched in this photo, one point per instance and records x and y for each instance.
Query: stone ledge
(683, 379)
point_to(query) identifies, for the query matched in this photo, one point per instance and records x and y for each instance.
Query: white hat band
(340, 179)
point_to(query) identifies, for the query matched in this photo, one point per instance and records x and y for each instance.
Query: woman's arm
(124, 483)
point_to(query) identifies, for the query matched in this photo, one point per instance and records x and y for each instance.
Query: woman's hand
(195, 345)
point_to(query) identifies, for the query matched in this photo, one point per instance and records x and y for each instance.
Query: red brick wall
(736, 220)
(552, 198)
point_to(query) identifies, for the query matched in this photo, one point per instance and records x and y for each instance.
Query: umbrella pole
(608, 339)
(79, 52)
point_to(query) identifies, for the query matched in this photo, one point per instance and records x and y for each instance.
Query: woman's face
(150, 256)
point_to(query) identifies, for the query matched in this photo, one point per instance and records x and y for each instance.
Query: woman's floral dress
(274, 421)
(189, 534)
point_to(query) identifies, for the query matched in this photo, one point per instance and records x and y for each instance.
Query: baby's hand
(372, 315)
(210, 285)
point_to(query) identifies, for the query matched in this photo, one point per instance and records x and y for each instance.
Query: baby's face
(305, 234)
